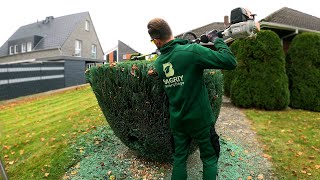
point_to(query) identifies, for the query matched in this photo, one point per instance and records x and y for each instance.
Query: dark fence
(30, 78)
(21, 79)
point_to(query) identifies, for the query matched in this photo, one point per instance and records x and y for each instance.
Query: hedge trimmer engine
(242, 25)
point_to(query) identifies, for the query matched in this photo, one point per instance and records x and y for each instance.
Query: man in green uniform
(180, 66)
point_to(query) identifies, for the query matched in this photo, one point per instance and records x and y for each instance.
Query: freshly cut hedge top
(260, 78)
(303, 69)
(136, 107)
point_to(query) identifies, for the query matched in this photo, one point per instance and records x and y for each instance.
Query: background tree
(260, 79)
(303, 69)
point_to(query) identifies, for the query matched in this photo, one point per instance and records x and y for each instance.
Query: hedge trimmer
(242, 25)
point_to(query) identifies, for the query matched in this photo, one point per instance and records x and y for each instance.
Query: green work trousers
(209, 146)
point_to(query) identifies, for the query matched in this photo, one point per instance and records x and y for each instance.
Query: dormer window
(16, 49)
(29, 46)
(87, 26)
(11, 50)
(24, 47)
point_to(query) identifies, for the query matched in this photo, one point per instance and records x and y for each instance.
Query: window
(78, 46)
(29, 46)
(89, 65)
(94, 51)
(23, 47)
(87, 25)
(11, 50)
(16, 49)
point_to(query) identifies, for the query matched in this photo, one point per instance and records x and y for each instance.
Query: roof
(123, 45)
(291, 17)
(128, 48)
(54, 33)
(203, 29)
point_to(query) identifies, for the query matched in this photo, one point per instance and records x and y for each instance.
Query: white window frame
(87, 25)
(77, 48)
(89, 65)
(94, 51)
(29, 46)
(16, 49)
(11, 50)
(24, 47)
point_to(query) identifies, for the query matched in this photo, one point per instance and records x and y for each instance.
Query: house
(219, 26)
(72, 35)
(49, 54)
(119, 53)
(287, 23)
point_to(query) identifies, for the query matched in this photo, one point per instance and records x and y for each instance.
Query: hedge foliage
(136, 106)
(228, 75)
(260, 79)
(303, 69)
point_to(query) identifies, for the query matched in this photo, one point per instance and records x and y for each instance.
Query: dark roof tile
(294, 18)
(202, 30)
(54, 33)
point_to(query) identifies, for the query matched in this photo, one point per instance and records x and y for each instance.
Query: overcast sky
(126, 20)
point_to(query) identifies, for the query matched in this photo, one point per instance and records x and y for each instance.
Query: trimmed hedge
(303, 69)
(260, 79)
(136, 106)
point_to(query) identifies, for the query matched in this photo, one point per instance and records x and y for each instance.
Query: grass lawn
(36, 133)
(292, 141)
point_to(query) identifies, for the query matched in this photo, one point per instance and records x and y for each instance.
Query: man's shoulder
(185, 48)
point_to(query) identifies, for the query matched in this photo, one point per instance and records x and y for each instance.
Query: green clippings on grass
(101, 154)
(292, 141)
(36, 133)
(98, 153)
(233, 161)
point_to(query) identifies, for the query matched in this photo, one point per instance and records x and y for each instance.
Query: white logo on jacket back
(168, 69)
(171, 80)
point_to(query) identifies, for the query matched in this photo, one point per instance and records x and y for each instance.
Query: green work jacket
(180, 67)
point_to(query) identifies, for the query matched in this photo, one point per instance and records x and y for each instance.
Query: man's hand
(212, 35)
(152, 72)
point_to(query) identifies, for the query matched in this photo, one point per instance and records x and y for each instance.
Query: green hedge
(303, 69)
(260, 79)
(136, 106)
(228, 75)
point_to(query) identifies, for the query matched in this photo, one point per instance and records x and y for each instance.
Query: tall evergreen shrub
(260, 79)
(228, 75)
(136, 106)
(303, 68)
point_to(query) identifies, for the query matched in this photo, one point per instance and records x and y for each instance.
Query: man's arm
(223, 58)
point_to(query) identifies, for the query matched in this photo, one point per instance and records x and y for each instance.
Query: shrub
(136, 106)
(303, 69)
(260, 79)
(228, 75)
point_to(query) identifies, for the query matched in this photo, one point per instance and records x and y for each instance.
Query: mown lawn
(291, 141)
(36, 133)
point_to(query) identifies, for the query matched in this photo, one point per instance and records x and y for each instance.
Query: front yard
(36, 133)
(45, 136)
(291, 141)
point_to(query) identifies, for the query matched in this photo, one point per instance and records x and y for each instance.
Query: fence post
(3, 171)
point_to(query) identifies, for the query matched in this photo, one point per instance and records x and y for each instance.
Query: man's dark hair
(159, 29)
